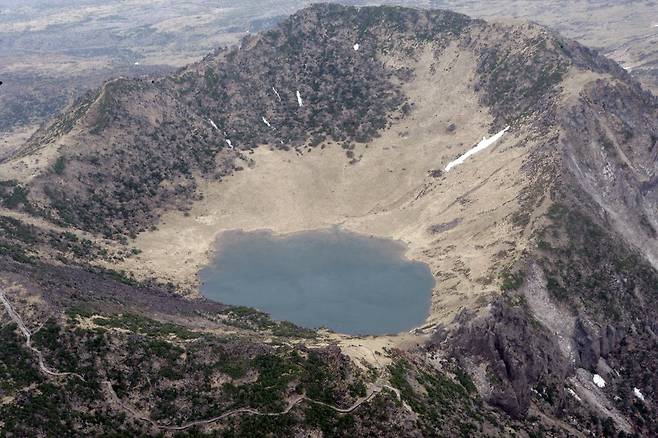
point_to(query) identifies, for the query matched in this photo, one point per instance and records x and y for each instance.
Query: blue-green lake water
(346, 282)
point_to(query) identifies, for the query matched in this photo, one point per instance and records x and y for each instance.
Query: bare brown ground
(12, 140)
(27, 167)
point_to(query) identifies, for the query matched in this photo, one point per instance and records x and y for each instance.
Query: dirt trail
(135, 413)
(28, 340)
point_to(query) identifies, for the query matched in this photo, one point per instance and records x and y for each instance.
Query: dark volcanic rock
(519, 353)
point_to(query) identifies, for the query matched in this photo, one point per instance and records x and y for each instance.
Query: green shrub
(511, 281)
(60, 165)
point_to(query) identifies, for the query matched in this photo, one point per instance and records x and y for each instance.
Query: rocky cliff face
(584, 305)
(545, 250)
(610, 152)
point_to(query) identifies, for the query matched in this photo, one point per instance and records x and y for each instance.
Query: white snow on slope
(638, 394)
(213, 124)
(267, 122)
(598, 381)
(356, 47)
(573, 394)
(299, 99)
(228, 142)
(278, 96)
(485, 143)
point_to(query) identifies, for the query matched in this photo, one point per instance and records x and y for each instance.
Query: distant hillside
(56, 51)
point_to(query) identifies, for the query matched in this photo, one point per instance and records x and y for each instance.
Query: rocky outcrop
(518, 352)
(594, 344)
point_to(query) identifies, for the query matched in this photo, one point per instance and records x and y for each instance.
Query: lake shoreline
(331, 268)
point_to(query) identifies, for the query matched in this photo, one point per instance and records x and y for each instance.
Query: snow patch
(574, 395)
(299, 99)
(278, 96)
(356, 47)
(213, 124)
(485, 143)
(638, 394)
(267, 122)
(598, 381)
(228, 142)
(136, 63)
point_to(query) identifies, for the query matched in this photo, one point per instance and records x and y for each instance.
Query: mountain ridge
(199, 118)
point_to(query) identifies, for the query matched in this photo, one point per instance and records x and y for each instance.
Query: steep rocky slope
(544, 245)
